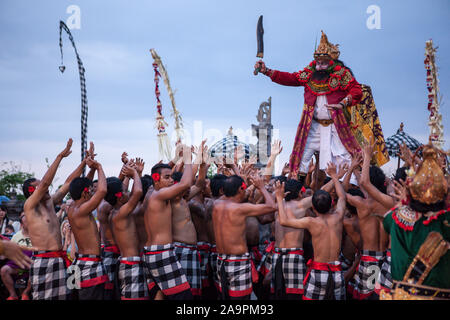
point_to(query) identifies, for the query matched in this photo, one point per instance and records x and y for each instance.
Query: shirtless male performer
(289, 271)
(48, 272)
(110, 251)
(184, 234)
(229, 221)
(374, 239)
(160, 260)
(324, 278)
(131, 277)
(87, 237)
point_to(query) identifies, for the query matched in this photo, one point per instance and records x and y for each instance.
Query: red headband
(119, 194)
(86, 189)
(303, 190)
(31, 189)
(243, 186)
(156, 177)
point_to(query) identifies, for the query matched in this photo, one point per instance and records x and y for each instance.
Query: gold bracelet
(2, 247)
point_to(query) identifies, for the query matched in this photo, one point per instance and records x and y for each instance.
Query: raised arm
(87, 207)
(340, 207)
(136, 192)
(284, 78)
(285, 219)
(356, 162)
(276, 149)
(185, 182)
(249, 209)
(377, 195)
(201, 179)
(47, 180)
(62, 191)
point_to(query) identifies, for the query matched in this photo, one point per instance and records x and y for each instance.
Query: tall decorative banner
(163, 139)
(81, 70)
(165, 76)
(435, 119)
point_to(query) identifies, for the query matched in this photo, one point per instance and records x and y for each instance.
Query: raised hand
(91, 163)
(257, 180)
(357, 159)
(368, 148)
(400, 192)
(66, 152)
(124, 157)
(343, 169)
(311, 166)
(187, 154)
(139, 164)
(331, 170)
(260, 64)
(128, 171)
(279, 190)
(276, 148)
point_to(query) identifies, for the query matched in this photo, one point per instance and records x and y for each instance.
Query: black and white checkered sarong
(316, 280)
(110, 258)
(213, 265)
(292, 270)
(48, 275)
(133, 285)
(204, 251)
(384, 281)
(189, 258)
(235, 271)
(164, 268)
(92, 271)
(363, 283)
(265, 265)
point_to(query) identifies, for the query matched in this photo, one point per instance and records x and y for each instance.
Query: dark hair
(216, 183)
(157, 168)
(10, 227)
(25, 186)
(378, 178)
(146, 183)
(354, 192)
(177, 175)
(3, 207)
(293, 187)
(400, 173)
(424, 208)
(114, 185)
(231, 185)
(94, 181)
(149, 178)
(77, 186)
(321, 201)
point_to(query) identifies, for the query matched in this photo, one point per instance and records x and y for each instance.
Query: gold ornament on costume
(326, 49)
(429, 185)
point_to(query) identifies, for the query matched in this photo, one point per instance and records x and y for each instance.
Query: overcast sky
(209, 49)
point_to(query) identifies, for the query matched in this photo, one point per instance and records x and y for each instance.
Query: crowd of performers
(242, 233)
(332, 227)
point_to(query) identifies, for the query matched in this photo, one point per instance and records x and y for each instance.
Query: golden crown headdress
(326, 49)
(429, 184)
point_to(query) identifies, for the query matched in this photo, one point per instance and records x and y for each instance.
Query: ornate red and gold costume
(330, 131)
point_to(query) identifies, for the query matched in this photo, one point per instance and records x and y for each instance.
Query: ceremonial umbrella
(227, 145)
(394, 142)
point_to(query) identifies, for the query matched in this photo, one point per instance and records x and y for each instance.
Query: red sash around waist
(56, 254)
(323, 266)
